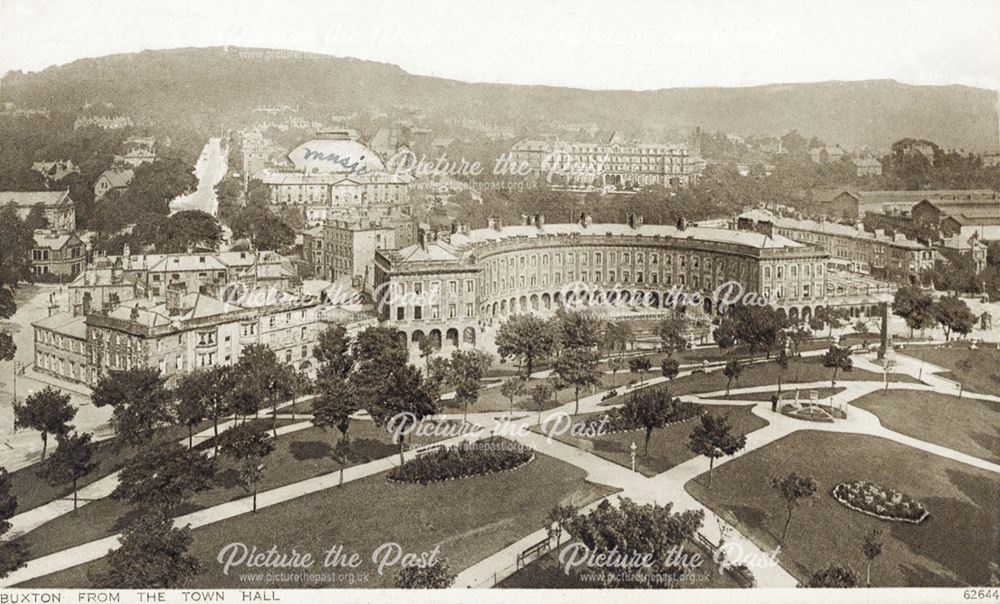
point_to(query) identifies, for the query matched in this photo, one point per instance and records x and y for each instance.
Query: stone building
(57, 207)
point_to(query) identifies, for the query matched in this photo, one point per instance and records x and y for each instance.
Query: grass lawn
(490, 399)
(953, 547)
(547, 573)
(821, 393)
(963, 424)
(800, 370)
(978, 370)
(297, 456)
(469, 519)
(667, 446)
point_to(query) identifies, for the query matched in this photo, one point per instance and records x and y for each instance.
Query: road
(210, 169)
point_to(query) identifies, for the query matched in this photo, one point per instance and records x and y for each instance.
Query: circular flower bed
(882, 502)
(619, 421)
(464, 460)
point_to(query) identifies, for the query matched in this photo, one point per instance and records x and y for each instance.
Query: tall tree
(557, 520)
(577, 329)
(12, 554)
(541, 394)
(618, 335)
(781, 360)
(402, 397)
(954, 315)
(913, 305)
(511, 388)
(48, 411)
(616, 364)
(640, 365)
(794, 489)
(871, 548)
(671, 333)
(191, 403)
(578, 368)
(164, 476)
(263, 378)
(428, 346)
(248, 445)
(669, 368)
(756, 328)
(837, 358)
(732, 371)
(71, 461)
(651, 409)
(153, 555)
(714, 437)
(467, 368)
(527, 338)
(335, 403)
(139, 400)
(333, 351)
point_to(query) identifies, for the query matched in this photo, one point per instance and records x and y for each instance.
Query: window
(470, 285)
(418, 312)
(400, 313)
(453, 287)
(452, 311)
(468, 310)
(435, 312)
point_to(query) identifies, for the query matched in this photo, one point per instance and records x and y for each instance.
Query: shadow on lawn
(959, 535)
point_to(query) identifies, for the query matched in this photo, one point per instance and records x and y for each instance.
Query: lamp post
(632, 448)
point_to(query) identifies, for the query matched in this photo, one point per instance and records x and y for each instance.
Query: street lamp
(632, 448)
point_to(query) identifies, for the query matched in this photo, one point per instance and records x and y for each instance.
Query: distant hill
(206, 87)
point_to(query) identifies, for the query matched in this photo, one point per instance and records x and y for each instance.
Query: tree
(178, 233)
(12, 554)
(7, 347)
(732, 371)
(248, 445)
(797, 336)
(672, 335)
(557, 520)
(913, 305)
(577, 367)
(527, 338)
(512, 388)
(618, 335)
(670, 367)
(631, 530)
(577, 329)
(837, 358)
(70, 462)
(164, 476)
(404, 397)
(333, 351)
(335, 404)
(954, 315)
(871, 548)
(781, 360)
(616, 364)
(139, 400)
(758, 329)
(264, 380)
(794, 489)
(214, 387)
(428, 346)
(832, 317)
(153, 555)
(466, 369)
(541, 394)
(48, 411)
(264, 230)
(835, 575)
(714, 438)
(650, 409)
(190, 407)
(436, 575)
(640, 365)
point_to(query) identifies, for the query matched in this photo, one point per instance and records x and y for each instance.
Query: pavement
(210, 169)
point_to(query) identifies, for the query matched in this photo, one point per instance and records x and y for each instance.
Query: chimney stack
(682, 223)
(524, 220)
(539, 220)
(422, 238)
(134, 315)
(531, 220)
(630, 220)
(85, 310)
(174, 299)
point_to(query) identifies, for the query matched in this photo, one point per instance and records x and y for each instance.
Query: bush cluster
(883, 502)
(618, 421)
(463, 460)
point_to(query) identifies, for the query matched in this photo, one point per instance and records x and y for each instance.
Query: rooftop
(65, 323)
(26, 199)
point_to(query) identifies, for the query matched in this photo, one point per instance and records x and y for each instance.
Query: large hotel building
(615, 163)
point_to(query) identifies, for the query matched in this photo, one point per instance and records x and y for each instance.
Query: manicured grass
(297, 456)
(787, 393)
(978, 370)
(953, 547)
(547, 573)
(667, 446)
(469, 519)
(968, 425)
(800, 370)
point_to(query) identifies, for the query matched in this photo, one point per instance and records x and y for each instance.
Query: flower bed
(464, 460)
(812, 413)
(882, 502)
(618, 421)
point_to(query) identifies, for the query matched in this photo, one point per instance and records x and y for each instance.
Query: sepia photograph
(540, 299)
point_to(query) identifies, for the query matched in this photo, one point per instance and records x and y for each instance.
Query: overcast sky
(601, 44)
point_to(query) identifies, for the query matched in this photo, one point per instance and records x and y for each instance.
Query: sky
(597, 44)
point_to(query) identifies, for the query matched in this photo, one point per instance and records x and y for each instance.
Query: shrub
(466, 459)
(618, 422)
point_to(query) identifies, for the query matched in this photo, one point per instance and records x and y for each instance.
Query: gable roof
(29, 199)
(117, 178)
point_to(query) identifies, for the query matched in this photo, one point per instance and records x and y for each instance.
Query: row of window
(435, 312)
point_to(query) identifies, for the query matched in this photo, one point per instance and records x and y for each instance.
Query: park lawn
(965, 424)
(978, 370)
(667, 445)
(821, 393)
(32, 489)
(800, 370)
(953, 547)
(470, 519)
(297, 456)
(491, 400)
(547, 573)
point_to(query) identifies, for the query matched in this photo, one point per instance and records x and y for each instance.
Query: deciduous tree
(837, 358)
(871, 548)
(578, 368)
(48, 411)
(164, 476)
(527, 338)
(794, 489)
(714, 437)
(139, 400)
(153, 555)
(248, 445)
(651, 409)
(71, 461)
(436, 575)
(511, 388)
